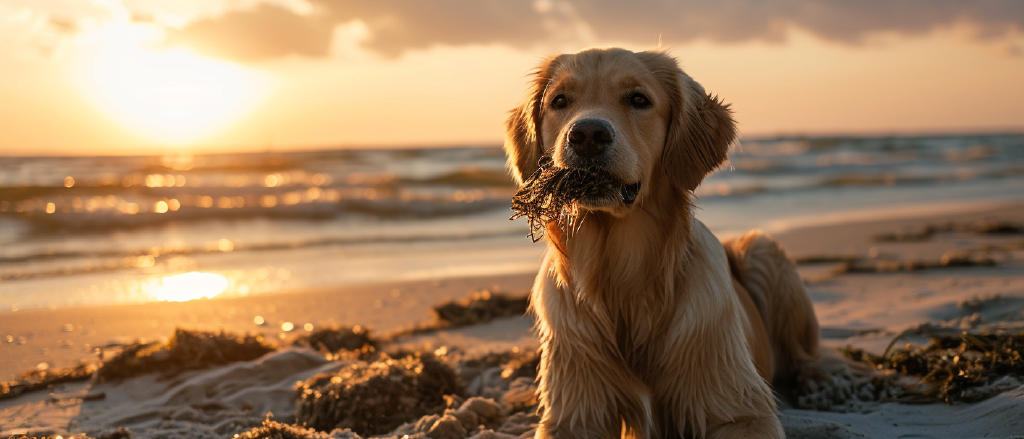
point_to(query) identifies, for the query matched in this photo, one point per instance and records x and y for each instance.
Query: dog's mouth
(559, 194)
(629, 192)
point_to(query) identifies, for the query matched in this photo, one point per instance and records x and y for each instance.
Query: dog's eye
(560, 102)
(638, 100)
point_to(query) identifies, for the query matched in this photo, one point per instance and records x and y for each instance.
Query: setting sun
(173, 97)
(188, 286)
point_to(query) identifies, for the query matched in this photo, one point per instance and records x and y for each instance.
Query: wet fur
(649, 327)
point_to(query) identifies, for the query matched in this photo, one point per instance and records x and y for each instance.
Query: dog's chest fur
(609, 264)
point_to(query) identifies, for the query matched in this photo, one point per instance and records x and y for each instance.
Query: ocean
(78, 231)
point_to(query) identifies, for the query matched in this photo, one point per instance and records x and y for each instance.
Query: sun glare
(173, 97)
(188, 286)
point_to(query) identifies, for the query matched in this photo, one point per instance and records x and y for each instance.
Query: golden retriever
(649, 326)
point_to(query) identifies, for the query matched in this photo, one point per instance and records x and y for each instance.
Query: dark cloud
(396, 26)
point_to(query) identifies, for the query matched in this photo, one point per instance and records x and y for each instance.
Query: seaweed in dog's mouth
(553, 193)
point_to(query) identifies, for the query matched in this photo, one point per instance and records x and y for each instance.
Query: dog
(649, 326)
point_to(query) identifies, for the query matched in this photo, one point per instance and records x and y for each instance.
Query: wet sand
(62, 337)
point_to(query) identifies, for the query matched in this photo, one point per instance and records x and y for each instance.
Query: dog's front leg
(585, 388)
(587, 393)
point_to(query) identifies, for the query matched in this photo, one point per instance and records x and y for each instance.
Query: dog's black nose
(589, 138)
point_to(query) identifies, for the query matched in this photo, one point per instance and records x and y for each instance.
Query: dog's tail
(761, 266)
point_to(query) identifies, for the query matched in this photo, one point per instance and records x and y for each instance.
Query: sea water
(80, 231)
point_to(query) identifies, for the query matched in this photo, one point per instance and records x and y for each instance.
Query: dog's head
(635, 116)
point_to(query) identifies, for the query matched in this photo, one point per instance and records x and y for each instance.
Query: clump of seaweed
(348, 341)
(961, 368)
(480, 307)
(550, 194)
(926, 232)
(863, 264)
(375, 398)
(118, 433)
(40, 379)
(186, 350)
(953, 368)
(272, 429)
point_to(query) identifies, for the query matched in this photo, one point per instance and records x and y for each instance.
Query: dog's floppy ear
(523, 142)
(701, 127)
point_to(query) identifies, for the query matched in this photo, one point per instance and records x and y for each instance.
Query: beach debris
(481, 307)
(952, 259)
(865, 264)
(118, 433)
(186, 350)
(272, 429)
(967, 367)
(907, 235)
(964, 367)
(551, 193)
(375, 398)
(42, 378)
(928, 231)
(350, 341)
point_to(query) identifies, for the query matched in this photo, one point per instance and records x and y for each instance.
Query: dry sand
(861, 309)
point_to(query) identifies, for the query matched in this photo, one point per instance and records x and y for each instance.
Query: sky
(86, 77)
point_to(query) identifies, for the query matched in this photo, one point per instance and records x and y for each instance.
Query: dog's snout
(589, 138)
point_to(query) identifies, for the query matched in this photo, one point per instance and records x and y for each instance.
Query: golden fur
(645, 330)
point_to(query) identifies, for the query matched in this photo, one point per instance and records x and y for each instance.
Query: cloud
(266, 31)
(396, 26)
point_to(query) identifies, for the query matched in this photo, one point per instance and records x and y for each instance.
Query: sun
(172, 97)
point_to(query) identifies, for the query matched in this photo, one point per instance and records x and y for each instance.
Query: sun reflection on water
(188, 286)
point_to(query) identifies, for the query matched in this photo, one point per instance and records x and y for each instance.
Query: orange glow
(188, 286)
(225, 245)
(173, 97)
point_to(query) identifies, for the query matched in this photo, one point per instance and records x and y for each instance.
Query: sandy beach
(871, 280)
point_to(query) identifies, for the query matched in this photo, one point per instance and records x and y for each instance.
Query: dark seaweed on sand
(953, 368)
(551, 192)
(119, 433)
(375, 398)
(354, 341)
(272, 429)
(481, 307)
(187, 350)
(44, 379)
